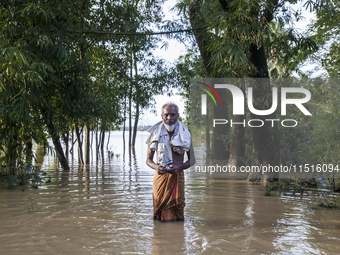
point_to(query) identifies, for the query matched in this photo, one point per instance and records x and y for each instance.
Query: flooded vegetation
(71, 72)
(107, 209)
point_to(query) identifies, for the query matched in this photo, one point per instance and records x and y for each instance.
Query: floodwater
(107, 209)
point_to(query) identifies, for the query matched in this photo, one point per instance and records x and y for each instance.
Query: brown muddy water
(107, 209)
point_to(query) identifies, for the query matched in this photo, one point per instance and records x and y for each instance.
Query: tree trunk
(91, 144)
(266, 138)
(135, 125)
(80, 146)
(137, 102)
(29, 153)
(102, 146)
(102, 140)
(220, 148)
(108, 141)
(87, 144)
(202, 37)
(124, 125)
(97, 151)
(72, 139)
(130, 99)
(237, 142)
(237, 139)
(99, 139)
(130, 117)
(56, 141)
(207, 133)
(220, 139)
(65, 138)
(11, 155)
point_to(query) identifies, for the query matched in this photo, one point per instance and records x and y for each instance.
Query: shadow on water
(106, 208)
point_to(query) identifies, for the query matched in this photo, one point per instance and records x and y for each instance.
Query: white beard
(170, 128)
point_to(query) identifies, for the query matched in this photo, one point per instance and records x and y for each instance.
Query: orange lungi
(168, 196)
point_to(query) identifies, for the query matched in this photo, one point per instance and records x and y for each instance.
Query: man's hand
(175, 169)
(161, 170)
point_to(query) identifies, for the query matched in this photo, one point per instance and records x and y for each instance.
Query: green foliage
(24, 174)
(188, 67)
(326, 31)
(292, 186)
(286, 49)
(315, 139)
(255, 181)
(322, 144)
(234, 27)
(54, 72)
(329, 194)
(325, 188)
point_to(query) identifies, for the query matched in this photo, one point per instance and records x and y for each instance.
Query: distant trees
(322, 134)
(326, 30)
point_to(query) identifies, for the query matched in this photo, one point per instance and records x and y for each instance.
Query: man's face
(170, 115)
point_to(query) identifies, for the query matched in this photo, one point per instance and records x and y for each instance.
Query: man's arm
(151, 163)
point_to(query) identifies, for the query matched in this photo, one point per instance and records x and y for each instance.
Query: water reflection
(168, 238)
(107, 209)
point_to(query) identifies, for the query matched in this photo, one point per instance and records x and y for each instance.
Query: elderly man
(171, 139)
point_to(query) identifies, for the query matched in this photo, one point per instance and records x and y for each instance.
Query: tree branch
(135, 33)
(224, 4)
(268, 13)
(202, 37)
